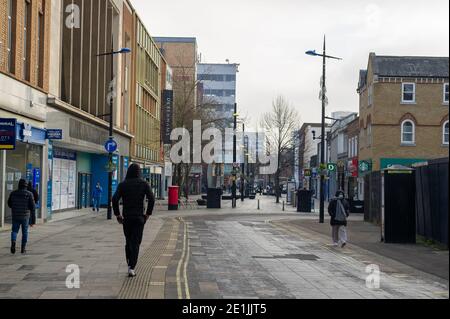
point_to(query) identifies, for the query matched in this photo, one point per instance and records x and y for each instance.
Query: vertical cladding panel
(76, 60)
(87, 56)
(101, 99)
(108, 60)
(66, 55)
(94, 50)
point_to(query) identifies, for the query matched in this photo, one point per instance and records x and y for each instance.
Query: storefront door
(24, 162)
(84, 190)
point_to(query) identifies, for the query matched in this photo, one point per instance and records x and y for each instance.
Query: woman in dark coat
(339, 224)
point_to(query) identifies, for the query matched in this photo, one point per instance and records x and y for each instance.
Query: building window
(370, 96)
(40, 51)
(408, 93)
(408, 132)
(11, 24)
(446, 93)
(230, 78)
(445, 133)
(26, 40)
(369, 134)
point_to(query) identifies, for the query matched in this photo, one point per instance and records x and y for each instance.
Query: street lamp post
(233, 188)
(322, 146)
(243, 168)
(111, 126)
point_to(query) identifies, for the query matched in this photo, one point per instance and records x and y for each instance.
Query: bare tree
(189, 105)
(279, 125)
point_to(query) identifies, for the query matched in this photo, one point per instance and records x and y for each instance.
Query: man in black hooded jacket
(132, 192)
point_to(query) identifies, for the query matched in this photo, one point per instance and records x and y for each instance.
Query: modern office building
(218, 99)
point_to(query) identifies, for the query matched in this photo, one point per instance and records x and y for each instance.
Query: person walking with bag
(31, 189)
(22, 206)
(338, 209)
(132, 192)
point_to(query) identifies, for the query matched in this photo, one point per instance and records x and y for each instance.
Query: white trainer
(131, 272)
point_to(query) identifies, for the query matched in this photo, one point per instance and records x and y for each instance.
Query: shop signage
(8, 134)
(26, 132)
(307, 173)
(54, 134)
(331, 167)
(64, 154)
(168, 115)
(365, 166)
(353, 167)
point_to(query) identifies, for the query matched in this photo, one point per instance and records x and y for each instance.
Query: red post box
(173, 197)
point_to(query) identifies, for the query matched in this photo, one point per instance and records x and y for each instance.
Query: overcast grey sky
(269, 37)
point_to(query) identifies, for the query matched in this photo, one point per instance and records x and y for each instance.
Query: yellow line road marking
(182, 265)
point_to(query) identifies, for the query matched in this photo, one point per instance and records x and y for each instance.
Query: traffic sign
(111, 145)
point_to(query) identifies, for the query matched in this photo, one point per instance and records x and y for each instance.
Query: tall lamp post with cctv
(111, 145)
(233, 188)
(323, 97)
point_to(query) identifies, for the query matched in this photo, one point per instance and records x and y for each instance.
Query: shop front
(352, 179)
(24, 161)
(80, 161)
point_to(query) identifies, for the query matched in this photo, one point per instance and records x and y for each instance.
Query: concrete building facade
(81, 85)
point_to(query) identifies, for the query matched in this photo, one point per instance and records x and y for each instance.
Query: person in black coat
(132, 192)
(339, 226)
(21, 202)
(36, 200)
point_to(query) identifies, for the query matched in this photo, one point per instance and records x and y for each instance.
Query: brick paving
(242, 253)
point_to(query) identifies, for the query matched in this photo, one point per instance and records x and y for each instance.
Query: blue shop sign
(28, 134)
(54, 134)
(8, 134)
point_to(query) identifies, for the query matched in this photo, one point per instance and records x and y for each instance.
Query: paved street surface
(199, 253)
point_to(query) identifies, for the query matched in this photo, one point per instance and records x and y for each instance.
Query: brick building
(24, 84)
(403, 111)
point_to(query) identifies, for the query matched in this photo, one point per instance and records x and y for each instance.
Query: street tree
(279, 125)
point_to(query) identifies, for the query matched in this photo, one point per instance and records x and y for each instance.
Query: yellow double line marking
(182, 265)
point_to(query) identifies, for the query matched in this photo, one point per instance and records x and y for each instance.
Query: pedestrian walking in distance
(31, 189)
(22, 206)
(96, 197)
(132, 192)
(339, 212)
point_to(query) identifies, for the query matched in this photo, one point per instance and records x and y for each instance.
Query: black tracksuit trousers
(133, 228)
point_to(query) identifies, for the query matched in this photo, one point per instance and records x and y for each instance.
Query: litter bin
(214, 198)
(357, 207)
(173, 197)
(304, 198)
